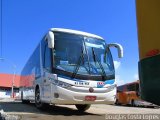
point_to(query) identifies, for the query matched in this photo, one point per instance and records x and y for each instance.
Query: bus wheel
(133, 103)
(117, 102)
(38, 102)
(82, 107)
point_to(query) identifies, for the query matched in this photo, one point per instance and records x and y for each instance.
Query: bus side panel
(122, 98)
(29, 74)
(121, 94)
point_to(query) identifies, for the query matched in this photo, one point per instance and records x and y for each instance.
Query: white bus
(70, 67)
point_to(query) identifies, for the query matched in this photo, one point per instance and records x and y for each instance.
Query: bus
(148, 20)
(70, 67)
(128, 94)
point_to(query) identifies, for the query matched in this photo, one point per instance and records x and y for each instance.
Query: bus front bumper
(65, 96)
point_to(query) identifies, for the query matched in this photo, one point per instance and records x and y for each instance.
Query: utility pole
(1, 27)
(14, 74)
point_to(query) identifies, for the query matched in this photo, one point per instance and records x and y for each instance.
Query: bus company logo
(91, 89)
(100, 83)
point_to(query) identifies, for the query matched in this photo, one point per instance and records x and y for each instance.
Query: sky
(25, 22)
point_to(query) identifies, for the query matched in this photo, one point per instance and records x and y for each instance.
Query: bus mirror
(50, 39)
(119, 48)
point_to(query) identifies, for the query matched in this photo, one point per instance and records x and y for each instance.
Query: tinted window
(87, 53)
(120, 88)
(137, 87)
(47, 58)
(131, 87)
(43, 44)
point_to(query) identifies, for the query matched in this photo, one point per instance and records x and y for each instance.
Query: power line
(1, 28)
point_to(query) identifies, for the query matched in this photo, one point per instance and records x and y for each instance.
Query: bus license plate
(90, 98)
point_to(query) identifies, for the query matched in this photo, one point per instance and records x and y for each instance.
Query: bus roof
(75, 32)
(130, 83)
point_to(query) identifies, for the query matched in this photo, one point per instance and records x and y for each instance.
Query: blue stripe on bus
(100, 84)
(109, 81)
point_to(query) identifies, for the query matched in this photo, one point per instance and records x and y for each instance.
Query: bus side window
(137, 87)
(47, 58)
(120, 88)
(131, 87)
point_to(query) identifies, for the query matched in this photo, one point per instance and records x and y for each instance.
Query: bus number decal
(82, 83)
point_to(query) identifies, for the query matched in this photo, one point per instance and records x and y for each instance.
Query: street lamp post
(14, 73)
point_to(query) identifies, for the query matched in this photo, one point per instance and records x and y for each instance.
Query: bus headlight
(111, 87)
(62, 84)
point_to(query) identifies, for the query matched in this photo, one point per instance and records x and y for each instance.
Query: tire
(133, 103)
(82, 107)
(24, 101)
(117, 102)
(38, 103)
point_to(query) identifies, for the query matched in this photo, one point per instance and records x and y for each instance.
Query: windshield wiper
(94, 58)
(78, 64)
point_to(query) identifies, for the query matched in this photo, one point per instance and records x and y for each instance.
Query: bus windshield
(81, 55)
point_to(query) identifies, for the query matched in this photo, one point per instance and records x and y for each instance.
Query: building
(6, 85)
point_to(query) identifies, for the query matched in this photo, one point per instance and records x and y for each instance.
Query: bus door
(46, 87)
(47, 71)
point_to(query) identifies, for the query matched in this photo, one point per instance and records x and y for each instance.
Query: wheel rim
(21, 95)
(38, 101)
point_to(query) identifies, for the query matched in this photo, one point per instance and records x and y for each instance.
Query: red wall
(6, 80)
(27, 81)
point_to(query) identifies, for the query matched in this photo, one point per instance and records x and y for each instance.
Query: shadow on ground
(141, 106)
(18, 107)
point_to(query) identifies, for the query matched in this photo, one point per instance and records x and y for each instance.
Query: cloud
(117, 64)
(136, 77)
(119, 80)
